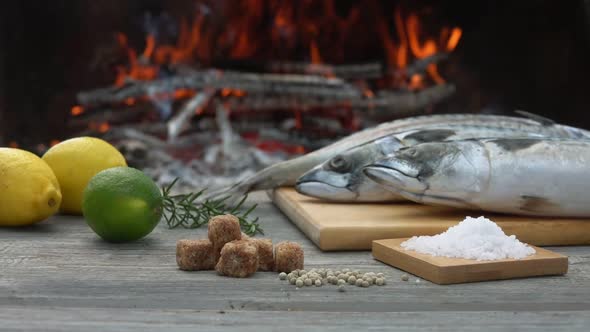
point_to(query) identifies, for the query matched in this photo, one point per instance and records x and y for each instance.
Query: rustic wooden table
(58, 276)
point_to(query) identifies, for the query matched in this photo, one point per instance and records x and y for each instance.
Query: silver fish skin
(286, 173)
(523, 176)
(341, 179)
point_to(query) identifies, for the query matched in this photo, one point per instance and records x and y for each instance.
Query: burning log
(305, 85)
(111, 115)
(355, 71)
(194, 106)
(394, 102)
(370, 70)
(408, 102)
(420, 65)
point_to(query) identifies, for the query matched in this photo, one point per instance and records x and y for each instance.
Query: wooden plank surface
(444, 270)
(57, 276)
(333, 226)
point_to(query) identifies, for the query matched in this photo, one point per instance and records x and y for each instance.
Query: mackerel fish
(341, 178)
(525, 176)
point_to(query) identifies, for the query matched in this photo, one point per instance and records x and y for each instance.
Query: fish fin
(514, 145)
(437, 200)
(540, 119)
(430, 135)
(532, 203)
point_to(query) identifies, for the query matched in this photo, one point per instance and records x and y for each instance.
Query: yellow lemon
(29, 191)
(75, 162)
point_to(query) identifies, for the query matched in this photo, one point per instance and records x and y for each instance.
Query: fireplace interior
(278, 77)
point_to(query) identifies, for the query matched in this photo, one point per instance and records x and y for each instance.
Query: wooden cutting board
(443, 270)
(334, 226)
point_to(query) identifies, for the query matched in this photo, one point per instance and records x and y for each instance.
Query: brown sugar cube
(288, 257)
(223, 229)
(195, 255)
(238, 259)
(266, 261)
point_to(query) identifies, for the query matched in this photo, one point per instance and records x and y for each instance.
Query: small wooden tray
(443, 270)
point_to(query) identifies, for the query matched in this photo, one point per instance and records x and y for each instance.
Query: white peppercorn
(351, 280)
(341, 282)
(380, 282)
(365, 284)
(307, 282)
(405, 277)
(299, 283)
(318, 282)
(282, 276)
(341, 288)
(359, 282)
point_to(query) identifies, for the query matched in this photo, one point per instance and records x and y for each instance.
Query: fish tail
(230, 194)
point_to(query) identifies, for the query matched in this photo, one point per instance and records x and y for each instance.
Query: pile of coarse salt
(473, 238)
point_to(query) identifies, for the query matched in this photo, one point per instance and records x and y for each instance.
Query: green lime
(122, 204)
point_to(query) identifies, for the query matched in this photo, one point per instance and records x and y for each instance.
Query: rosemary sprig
(181, 210)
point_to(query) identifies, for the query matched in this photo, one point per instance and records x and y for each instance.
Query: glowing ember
(13, 145)
(104, 127)
(416, 82)
(77, 110)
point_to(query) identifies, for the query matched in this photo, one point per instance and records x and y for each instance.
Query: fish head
(325, 184)
(341, 178)
(451, 170)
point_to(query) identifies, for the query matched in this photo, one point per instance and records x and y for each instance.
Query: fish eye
(339, 164)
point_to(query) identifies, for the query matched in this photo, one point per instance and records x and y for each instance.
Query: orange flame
(315, 53)
(135, 70)
(150, 44)
(402, 51)
(13, 145)
(390, 51)
(411, 43)
(454, 39)
(419, 51)
(240, 38)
